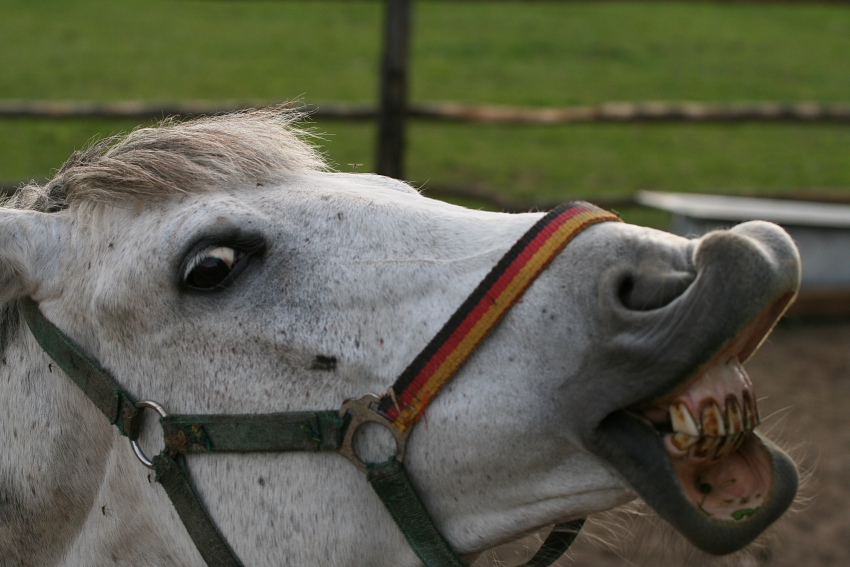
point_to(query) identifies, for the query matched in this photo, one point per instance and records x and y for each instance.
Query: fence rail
(607, 112)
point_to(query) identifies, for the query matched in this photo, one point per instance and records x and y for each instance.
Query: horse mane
(229, 150)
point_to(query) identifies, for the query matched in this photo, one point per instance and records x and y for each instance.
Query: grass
(555, 53)
(188, 49)
(539, 53)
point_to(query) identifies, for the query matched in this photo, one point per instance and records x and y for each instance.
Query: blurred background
(536, 55)
(732, 98)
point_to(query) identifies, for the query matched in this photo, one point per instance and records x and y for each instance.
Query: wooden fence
(449, 112)
(393, 108)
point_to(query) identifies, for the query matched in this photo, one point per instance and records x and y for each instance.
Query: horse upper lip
(741, 288)
(710, 415)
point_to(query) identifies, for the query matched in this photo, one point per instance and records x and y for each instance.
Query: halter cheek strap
(398, 409)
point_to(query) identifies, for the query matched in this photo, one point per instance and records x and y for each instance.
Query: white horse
(217, 267)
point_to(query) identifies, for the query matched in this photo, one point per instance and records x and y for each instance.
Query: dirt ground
(802, 379)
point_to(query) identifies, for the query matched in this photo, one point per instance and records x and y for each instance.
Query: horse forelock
(230, 150)
(244, 148)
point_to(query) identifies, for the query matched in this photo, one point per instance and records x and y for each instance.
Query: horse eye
(210, 269)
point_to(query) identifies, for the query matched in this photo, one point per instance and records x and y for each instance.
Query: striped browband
(405, 402)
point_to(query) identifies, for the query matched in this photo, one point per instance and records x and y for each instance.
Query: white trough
(821, 230)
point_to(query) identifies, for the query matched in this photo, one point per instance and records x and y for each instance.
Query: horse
(218, 266)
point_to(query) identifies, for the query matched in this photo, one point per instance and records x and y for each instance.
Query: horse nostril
(652, 289)
(625, 288)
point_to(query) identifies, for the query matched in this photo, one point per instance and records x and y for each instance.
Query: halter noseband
(398, 409)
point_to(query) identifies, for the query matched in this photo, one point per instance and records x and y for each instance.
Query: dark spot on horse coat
(322, 362)
(9, 323)
(10, 502)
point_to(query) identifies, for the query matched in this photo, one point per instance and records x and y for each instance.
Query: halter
(398, 409)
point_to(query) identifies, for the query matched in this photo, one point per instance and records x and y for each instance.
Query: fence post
(392, 111)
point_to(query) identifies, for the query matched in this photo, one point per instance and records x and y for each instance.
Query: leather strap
(390, 481)
(120, 409)
(249, 433)
(97, 384)
(174, 477)
(556, 543)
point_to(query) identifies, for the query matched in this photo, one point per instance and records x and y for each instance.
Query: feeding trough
(820, 230)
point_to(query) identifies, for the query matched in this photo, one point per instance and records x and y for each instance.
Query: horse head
(217, 267)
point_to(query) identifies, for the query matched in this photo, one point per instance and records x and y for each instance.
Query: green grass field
(518, 53)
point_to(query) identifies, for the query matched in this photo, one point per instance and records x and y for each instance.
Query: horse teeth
(712, 420)
(704, 447)
(751, 411)
(734, 416)
(717, 432)
(683, 441)
(683, 421)
(737, 441)
(724, 447)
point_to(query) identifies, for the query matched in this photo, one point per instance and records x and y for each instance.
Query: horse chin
(695, 458)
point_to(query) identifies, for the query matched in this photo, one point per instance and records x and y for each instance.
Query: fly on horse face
(216, 351)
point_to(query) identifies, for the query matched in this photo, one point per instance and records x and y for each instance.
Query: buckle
(364, 410)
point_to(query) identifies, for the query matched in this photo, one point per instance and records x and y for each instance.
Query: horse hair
(248, 148)
(229, 150)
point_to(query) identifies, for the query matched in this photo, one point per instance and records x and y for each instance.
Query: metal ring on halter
(135, 444)
(363, 410)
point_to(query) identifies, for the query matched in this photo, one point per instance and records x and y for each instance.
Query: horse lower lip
(725, 473)
(720, 505)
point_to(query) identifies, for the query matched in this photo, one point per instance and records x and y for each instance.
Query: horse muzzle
(681, 429)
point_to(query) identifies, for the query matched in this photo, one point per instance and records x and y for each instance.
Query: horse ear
(29, 244)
